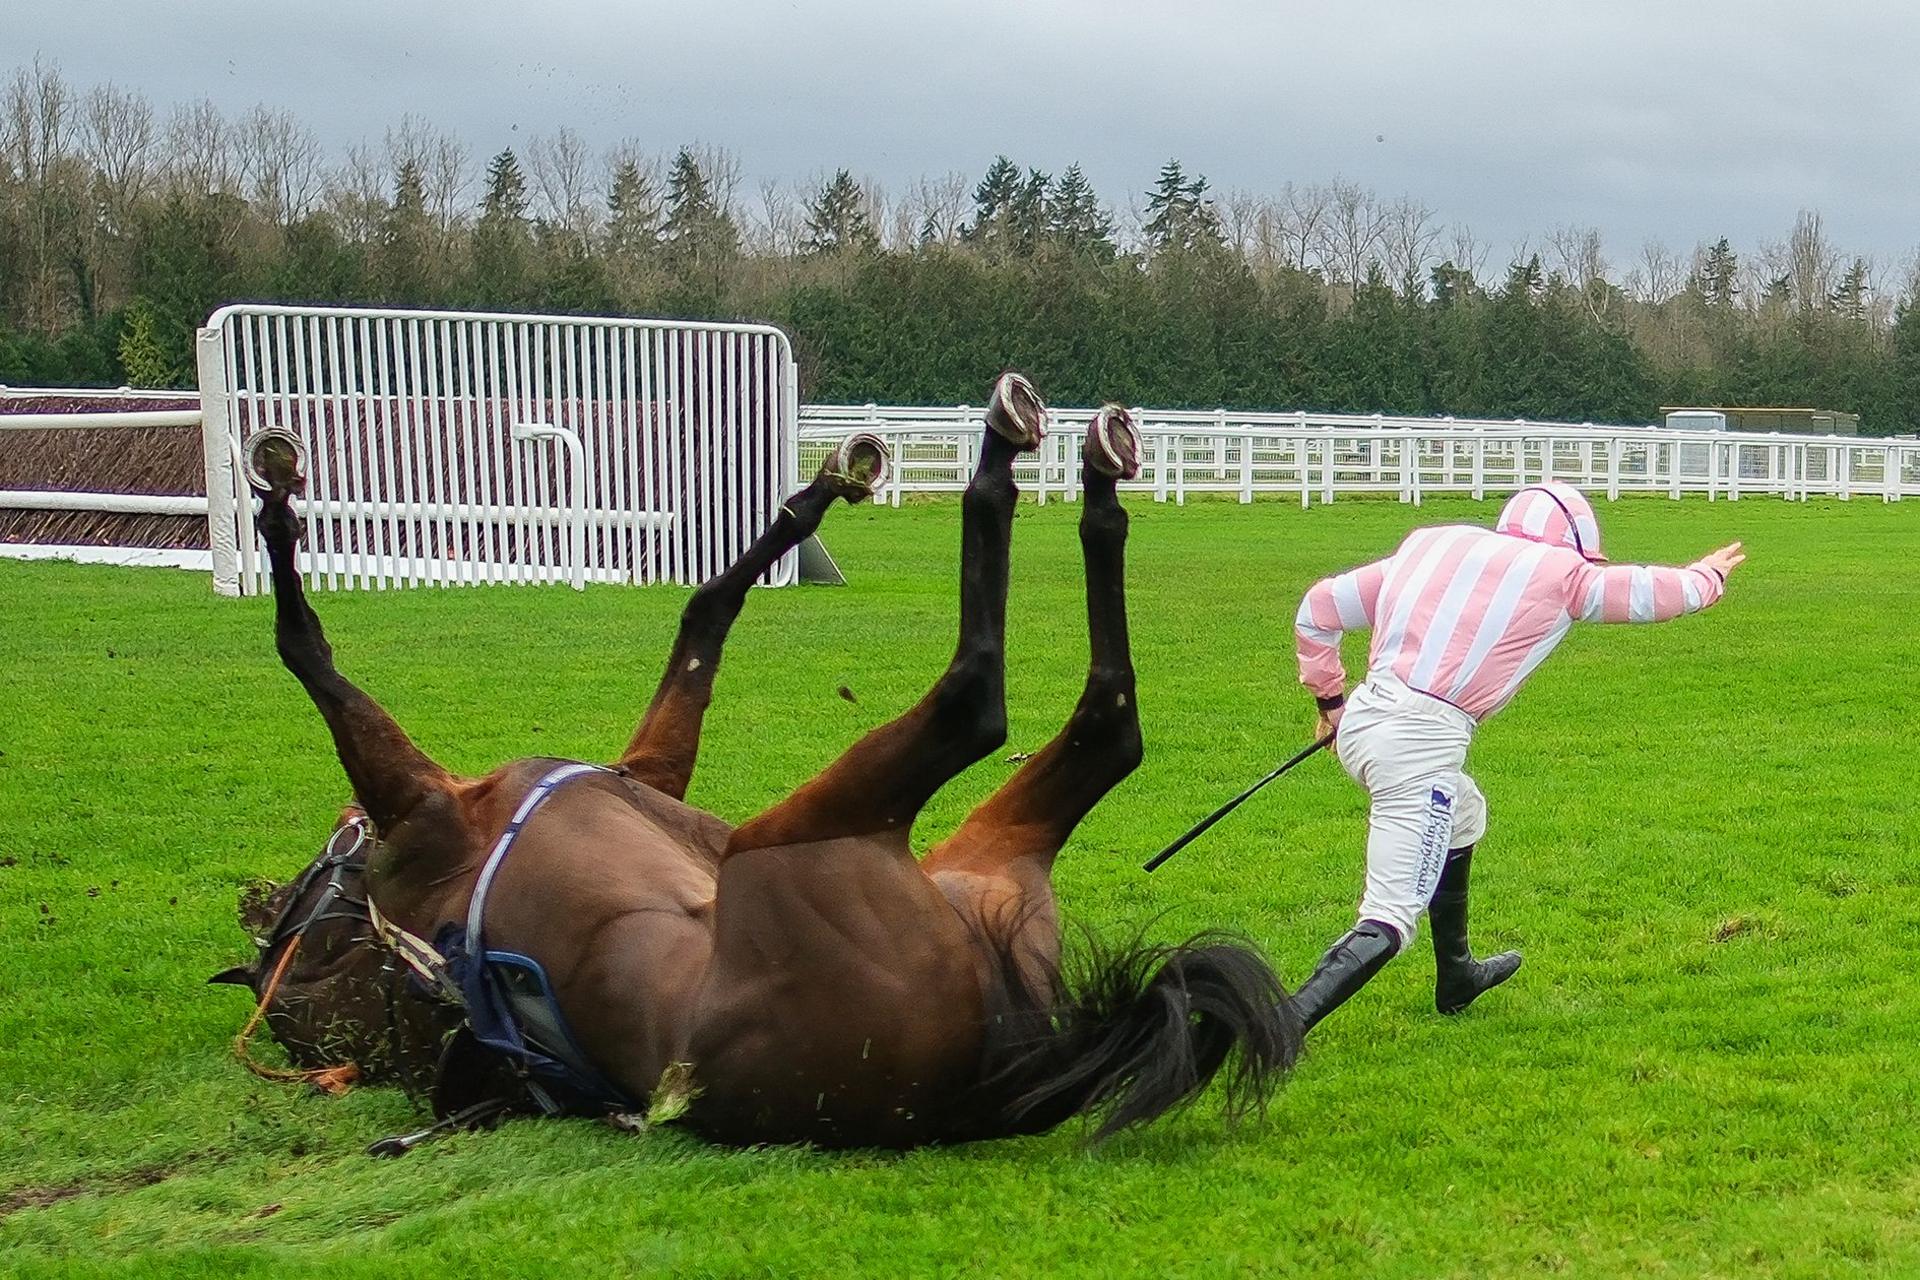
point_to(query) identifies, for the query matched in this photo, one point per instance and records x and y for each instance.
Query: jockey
(1460, 616)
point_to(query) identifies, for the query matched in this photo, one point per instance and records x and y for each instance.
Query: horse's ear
(240, 976)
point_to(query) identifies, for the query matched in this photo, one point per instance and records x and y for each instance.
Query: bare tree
(1468, 251)
(561, 180)
(116, 137)
(1811, 261)
(1349, 238)
(1303, 215)
(199, 143)
(279, 161)
(1659, 275)
(774, 230)
(1579, 258)
(1408, 235)
(880, 212)
(1239, 213)
(356, 195)
(936, 207)
(1577, 254)
(36, 123)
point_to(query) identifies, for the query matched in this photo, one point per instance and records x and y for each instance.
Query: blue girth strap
(476, 911)
(510, 1004)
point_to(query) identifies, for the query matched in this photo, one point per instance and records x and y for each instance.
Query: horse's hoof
(857, 467)
(1113, 443)
(275, 461)
(1017, 412)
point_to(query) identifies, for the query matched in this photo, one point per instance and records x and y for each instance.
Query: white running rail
(1320, 456)
(675, 494)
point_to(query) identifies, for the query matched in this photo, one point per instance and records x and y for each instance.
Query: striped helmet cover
(1556, 514)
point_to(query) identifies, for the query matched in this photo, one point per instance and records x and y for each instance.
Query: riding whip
(1200, 828)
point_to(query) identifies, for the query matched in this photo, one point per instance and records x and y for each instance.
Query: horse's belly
(843, 1006)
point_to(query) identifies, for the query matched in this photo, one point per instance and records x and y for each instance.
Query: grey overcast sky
(1682, 120)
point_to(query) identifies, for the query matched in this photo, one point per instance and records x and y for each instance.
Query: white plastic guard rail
(1311, 456)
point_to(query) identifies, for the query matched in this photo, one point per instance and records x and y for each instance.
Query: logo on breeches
(1434, 839)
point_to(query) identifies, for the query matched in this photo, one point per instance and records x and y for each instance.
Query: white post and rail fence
(458, 448)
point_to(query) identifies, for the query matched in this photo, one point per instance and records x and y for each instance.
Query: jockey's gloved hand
(1329, 721)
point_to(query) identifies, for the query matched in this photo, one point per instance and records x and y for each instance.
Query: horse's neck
(421, 894)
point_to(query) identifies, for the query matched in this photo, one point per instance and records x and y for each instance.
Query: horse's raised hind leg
(1012, 838)
(667, 743)
(391, 777)
(881, 782)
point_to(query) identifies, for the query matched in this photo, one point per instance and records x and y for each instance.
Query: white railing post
(1220, 444)
(1159, 462)
(1409, 468)
(1306, 459)
(1326, 464)
(218, 447)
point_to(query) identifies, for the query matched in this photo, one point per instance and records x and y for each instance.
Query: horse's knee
(1108, 717)
(970, 703)
(707, 607)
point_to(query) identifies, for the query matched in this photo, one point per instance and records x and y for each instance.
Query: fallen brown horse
(801, 976)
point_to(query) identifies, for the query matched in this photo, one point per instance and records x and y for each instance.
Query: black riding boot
(1458, 978)
(1356, 957)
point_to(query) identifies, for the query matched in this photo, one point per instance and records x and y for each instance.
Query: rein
(335, 1079)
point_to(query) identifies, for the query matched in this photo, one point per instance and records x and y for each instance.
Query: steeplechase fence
(453, 448)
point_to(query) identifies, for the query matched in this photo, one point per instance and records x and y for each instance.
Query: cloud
(1677, 121)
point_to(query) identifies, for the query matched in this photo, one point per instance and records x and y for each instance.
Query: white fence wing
(455, 448)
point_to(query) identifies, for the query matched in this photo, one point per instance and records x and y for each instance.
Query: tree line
(122, 227)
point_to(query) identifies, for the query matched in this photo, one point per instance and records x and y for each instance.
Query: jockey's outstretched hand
(1725, 559)
(1328, 724)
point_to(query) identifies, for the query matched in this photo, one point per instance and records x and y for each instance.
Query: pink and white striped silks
(1465, 614)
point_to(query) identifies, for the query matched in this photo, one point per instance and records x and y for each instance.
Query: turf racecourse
(1700, 836)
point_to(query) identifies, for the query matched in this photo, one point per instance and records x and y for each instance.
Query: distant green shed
(1803, 422)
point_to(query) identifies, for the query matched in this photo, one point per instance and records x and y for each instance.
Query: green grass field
(1700, 837)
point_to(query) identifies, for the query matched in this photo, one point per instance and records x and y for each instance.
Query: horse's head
(330, 991)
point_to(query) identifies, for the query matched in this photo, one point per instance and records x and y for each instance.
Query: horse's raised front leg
(391, 777)
(881, 782)
(1001, 858)
(667, 743)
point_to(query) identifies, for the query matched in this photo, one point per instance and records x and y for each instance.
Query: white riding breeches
(1409, 750)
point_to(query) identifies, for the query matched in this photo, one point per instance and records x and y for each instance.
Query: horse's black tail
(1136, 1032)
